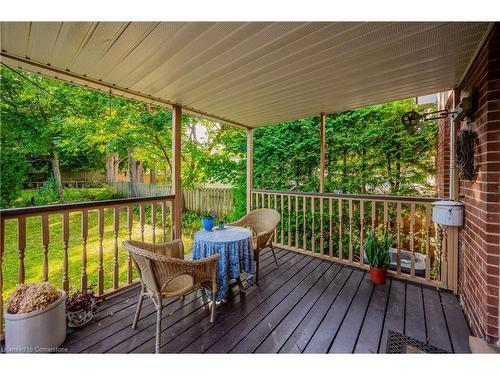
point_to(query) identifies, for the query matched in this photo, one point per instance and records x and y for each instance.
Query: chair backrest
(262, 220)
(151, 260)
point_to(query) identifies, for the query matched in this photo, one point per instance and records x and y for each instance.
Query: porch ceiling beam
(82, 80)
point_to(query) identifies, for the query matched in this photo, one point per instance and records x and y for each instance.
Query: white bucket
(38, 331)
(448, 213)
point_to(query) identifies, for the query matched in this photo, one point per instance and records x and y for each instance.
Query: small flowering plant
(82, 300)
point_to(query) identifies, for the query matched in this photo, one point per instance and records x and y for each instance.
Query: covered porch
(250, 75)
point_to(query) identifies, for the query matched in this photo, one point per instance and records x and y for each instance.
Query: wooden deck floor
(307, 305)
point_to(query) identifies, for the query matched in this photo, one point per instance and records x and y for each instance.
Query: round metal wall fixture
(411, 118)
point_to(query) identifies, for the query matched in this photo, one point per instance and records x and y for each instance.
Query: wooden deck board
(437, 332)
(299, 339)
(305, 305)
(347, 335)
(371, 329)
(327, 330)
(395, 312)
(414, 313)
(455, 320)
(279, 334)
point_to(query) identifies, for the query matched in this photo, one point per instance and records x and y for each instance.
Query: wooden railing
(334, 227)
(78, 245)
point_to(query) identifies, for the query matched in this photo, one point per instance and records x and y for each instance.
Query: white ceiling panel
(250, 74)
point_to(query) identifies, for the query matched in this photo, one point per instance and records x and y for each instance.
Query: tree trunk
(132, 168)
(56, 173)
(152, 174)
(112, 168)
(139, 167)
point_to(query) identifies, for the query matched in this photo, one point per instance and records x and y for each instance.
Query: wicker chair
(164, 273)
(262, 222)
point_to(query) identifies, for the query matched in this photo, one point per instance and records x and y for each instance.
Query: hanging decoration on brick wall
(466, 144)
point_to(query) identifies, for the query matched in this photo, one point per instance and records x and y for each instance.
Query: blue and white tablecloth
(234, 244)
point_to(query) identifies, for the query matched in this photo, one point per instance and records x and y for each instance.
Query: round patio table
(234, 246)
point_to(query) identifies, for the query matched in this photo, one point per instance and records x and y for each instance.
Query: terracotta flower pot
(378, 275)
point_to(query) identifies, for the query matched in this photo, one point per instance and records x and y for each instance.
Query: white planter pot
(37, 331)
(80, 317)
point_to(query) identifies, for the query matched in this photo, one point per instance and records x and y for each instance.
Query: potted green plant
(207, 220)
(377, 251)
(35, 319)
(80, 307)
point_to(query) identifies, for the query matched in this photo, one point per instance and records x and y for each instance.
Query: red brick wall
(479, 239)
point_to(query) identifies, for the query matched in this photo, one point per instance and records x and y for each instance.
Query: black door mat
(397, 343)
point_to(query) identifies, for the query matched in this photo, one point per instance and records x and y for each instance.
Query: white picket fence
(217, 201)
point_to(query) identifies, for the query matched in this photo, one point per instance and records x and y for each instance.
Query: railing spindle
(153, 221)
(361, 232)
(412, 239)
(350, 231)
(276, 209)
(142, 220)
(321, 249)
(341, 254)
(21, 246)
(65, 232)
(296, 221)
(386, 215)
(85, 231)
(427, 241)
(313, 233)
(282, 239)
(164, 220)
(45, 244)
(374, 213)
(398, 237)
(130, 223)
(330, 226)
(100, 268)
(116, 231)
(289, 198)
(304, 224)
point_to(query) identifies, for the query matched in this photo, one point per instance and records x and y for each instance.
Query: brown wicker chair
(164, 273)
(262, 222)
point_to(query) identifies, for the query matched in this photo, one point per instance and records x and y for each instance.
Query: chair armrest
(263, 238)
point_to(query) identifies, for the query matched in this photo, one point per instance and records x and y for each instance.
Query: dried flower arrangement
(81, 300)
(27, 298)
